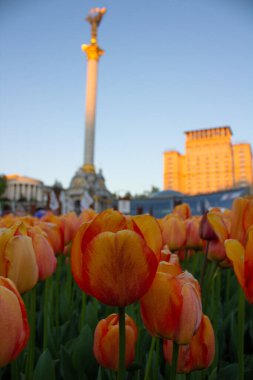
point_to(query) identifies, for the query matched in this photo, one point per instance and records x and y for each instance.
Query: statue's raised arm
(94, 18)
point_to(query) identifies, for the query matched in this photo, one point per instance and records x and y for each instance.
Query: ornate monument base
(88, 190)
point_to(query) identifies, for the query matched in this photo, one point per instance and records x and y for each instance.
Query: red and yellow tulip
(106, 341)
(17, 257)
(172, 306)
(196, 355)
(115, 259)
(242, 260)
(14, 328)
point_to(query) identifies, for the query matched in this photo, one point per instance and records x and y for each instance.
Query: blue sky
(169, 66)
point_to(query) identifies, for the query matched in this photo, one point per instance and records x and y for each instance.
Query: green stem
(57, 296)
(174, 361)
(215, 312)
(157, 362)
(31, 344)
(228, 281)
(241, 318)
(83, 311)
(201, 282)
(150, 355)
(14, 370)
(122, 343)
(45, 313)
(210, 278)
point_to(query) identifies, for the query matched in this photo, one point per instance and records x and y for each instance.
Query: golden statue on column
(93, 53)
(87, 187)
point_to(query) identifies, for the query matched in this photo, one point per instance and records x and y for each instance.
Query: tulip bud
(196, 355)
(172, 306)
(106, 341)
(55, 236)
(183, 211)
(206, 231)
(14, 328)
(173, 232)
(193, 240)
(45, 256)
(17, 258)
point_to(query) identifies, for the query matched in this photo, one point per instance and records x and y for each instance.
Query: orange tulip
(183, 211)
(241, 218)
(115, 260)
(14, 328)
(222, 224)
(55, 235)
(173, 232)
(193, 240)
(45, 256)
(196, 355)
(242, 260)
(86, 216)
(172, 308)
(17, 257)
(106, 341)
(217, 253)
(70, 221)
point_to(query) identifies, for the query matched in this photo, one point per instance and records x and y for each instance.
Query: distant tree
(3, 184)
(154, 189)
(128, 195)
(147, 193)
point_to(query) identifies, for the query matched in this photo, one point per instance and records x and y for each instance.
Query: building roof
(210, 129)
(166, 194)
(23, 179)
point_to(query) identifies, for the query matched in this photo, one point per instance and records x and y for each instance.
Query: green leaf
(83, 357)
(44, 369)
(67, 369)
(228, 372)
(91, 316)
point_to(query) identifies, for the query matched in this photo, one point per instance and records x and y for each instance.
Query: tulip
(55, 235)
(14, 328)
(86, 216)
(242, 218)
(206, 231)
(70, 221)
(172, 308)
(193, 240)
(196, 355)
(183, 211)
(114, 260)
(242, 260)
(106, 341)
(173, 232)
(45, 256)
(217, 253)
(17, 257)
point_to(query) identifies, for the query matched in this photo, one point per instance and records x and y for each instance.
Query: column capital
(88, 168)
(92, 52)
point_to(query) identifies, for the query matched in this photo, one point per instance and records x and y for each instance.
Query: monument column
(93, 53)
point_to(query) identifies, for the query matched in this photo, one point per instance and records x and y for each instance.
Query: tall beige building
(210, 163)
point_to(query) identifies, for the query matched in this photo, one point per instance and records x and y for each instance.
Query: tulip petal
(235, 252)
(77, 256)
(161, 306)
(13, 320)
(218, 225)
(119, 267)
(22, 265)
(151, 232)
